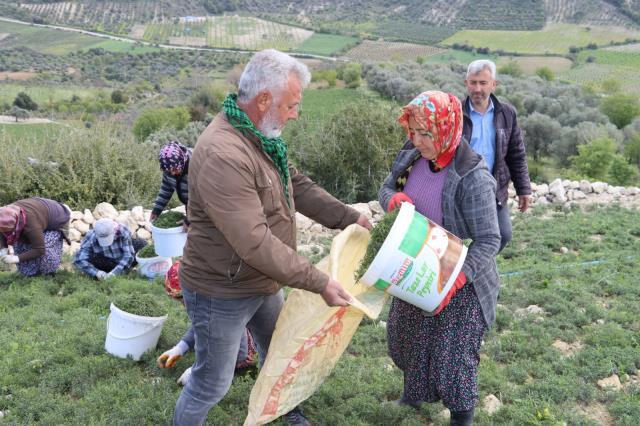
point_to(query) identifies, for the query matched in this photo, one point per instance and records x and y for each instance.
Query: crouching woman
(35, 228)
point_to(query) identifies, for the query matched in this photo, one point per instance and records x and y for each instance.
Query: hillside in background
(409, 20)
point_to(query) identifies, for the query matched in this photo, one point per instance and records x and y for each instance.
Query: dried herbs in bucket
(378, 235)
(169, 219)
(141, 304)
(147, 252)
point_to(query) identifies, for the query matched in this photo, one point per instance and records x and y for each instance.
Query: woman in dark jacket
(174, 163)
(35, 228)
(450, 184)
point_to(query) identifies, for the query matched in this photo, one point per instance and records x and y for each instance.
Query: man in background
(491, 127)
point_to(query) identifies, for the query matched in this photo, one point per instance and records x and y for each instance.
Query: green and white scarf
(275, 148)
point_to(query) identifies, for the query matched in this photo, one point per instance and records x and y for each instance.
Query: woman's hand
(397, 199)
(10, 259)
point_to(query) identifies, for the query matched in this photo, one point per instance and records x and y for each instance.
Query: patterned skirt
(439, 355)
(49, 262)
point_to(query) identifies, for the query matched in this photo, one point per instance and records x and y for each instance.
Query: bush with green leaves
(80, 167)
(187, 136)
(599, 160)
(350, 152)
(24, 101)
(153, 119)
(621, 109)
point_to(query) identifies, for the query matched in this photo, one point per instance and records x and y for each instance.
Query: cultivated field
(325, 44)
(530, 64)
(59, 42)
(587, 12)
(594, 74)
(554, 38)
(387, 51)
(226, 32)
(43, 94)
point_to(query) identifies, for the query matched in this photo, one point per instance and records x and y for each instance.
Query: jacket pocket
(265, 188)
(238, 271)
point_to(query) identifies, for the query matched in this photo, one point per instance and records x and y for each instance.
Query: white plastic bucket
(151, 267)
(169, 242)
(408, 265)
(131, 335)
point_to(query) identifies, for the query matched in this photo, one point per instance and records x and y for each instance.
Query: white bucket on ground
(168, 242)
(131, 335)
(409, 263)
(151, 267)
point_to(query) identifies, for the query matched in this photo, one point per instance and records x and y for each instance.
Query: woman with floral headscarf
(174, 163)
(35, 228)
(449, 183)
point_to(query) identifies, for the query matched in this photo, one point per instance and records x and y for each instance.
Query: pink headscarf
(441, 114)
(12, 222)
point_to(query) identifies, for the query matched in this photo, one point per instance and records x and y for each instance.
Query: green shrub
(153, 119)
(349, 152)
(168, 219)
(80, 167)
(142, 304)
(621, 109)
(545, 73)
(599, 160)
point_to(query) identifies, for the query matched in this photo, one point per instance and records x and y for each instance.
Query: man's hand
(152, 217)
(397, 199)
(523, 202)
(364, 222)
(334, 295)
(101, 275)
(185, 225)
(10, 259)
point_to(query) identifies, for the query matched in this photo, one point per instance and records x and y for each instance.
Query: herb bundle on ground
(141, 304)
(378, 235)
(169, 219)
(147, 252)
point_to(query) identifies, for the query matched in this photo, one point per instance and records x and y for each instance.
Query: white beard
(270, 125)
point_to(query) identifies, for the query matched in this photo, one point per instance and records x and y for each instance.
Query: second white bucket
(168, 242)
(131, 335)
(409, 265)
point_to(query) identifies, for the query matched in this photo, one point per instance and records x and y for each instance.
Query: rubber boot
(462, 418)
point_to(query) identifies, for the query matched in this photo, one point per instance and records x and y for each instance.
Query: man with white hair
(491, 127)
(241, 248)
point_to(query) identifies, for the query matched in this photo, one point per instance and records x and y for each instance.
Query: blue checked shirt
(121, 251)
(483, 135)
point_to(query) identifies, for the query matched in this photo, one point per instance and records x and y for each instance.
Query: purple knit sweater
(424, 187)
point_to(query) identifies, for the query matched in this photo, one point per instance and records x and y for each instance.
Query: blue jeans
(219, 325)
(190, 339)
(504, 222)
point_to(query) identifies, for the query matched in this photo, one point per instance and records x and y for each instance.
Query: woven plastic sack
(310, 337)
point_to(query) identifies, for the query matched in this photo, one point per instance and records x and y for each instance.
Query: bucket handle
(128, 337)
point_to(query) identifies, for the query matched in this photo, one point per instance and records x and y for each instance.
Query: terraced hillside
(588, 12)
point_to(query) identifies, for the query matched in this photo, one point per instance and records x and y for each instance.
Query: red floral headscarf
(441, 114)
(12, 221)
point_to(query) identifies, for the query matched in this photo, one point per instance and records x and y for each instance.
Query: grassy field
(35, 131)
(543, 367)
(325, 44)
(237, 32)
(554, 38)
(384, 51)
(42, 94)
(530, 64)
(59, 42)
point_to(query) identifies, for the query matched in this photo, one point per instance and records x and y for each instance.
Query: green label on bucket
(382, 285)
(416, 235)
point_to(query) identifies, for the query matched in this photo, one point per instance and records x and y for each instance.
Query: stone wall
(310, 233)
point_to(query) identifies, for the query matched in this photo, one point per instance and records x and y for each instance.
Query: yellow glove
(169, 358)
